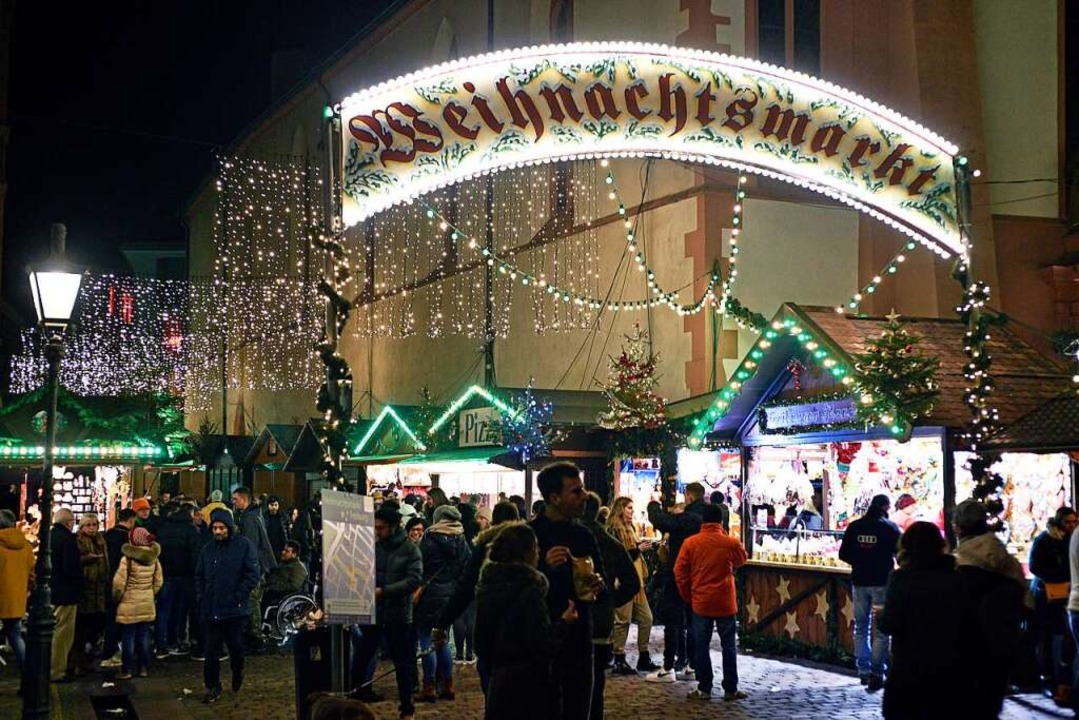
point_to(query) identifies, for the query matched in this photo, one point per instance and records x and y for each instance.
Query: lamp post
(55, 286)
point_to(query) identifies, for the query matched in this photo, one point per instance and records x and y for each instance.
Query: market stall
(810, 466)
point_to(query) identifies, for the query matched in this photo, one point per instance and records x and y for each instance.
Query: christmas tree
(528, 430)
(631, 387)
(897, 383)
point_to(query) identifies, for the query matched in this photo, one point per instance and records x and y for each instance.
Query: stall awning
(479, 459)
(377, 459)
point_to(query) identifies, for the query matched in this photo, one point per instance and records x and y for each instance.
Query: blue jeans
(868, 662)
(1073, 625)
(136, 638)
(727, 629)
(171, 614)
(13, 633)
(437, 664)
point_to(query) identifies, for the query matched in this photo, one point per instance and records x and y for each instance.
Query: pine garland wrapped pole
(897, 384)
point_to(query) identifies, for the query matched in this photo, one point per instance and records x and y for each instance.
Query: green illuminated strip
(749, 366)
(80, 451)
(468, 395)
(388, 411)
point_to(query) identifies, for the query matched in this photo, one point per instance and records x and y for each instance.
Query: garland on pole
(896, 383)
(985, 418)
(335, 395)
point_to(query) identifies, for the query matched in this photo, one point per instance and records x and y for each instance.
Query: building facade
(988, 76)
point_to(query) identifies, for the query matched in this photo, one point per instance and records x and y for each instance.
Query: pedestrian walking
(679, 526)
(278, 527)
(249, 522)
(621, 525)
(16, 574)
(464, 593)
(115, 539)
(226, 574)
(704, 573)
(180, 548)
(90, 616)
(623, 583)
(572, 563)
(998, 594)
(65, 587)
(137, 581)
(1050, 587)
(869, 546)
(445, 556)
(398, 572)
(515, 635)
(926, 613)
(147, 518)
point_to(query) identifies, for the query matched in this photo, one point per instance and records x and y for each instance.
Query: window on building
(788, 33)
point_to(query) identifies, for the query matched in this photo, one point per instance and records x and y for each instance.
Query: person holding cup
(565, 549)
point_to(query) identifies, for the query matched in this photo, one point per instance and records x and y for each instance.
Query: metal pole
(37, 671)
(489, 243)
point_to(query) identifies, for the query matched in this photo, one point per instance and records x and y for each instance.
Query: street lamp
(55, 286)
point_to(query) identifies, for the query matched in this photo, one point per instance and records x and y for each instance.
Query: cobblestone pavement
(778, 689)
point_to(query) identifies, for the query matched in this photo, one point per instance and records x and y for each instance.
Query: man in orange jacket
(704, 573)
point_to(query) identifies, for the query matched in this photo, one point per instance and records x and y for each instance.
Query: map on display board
(348, 549)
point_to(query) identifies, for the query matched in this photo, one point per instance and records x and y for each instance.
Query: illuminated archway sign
(444, 124)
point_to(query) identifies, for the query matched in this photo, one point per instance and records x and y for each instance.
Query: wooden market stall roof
(273, 445)
(1052, 426)
(1024, 378)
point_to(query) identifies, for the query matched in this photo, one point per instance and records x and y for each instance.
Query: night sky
(116, 109)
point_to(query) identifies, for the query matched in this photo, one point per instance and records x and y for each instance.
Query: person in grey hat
(445, 556)
(998, 589)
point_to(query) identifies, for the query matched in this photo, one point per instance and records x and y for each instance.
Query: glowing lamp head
(55, 284)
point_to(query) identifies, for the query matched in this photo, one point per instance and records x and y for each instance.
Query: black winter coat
(678, 528)
(180, 547)
(226, 573)
(445, 557)
(115, 539)
(398, 571)
(65, 584)
(517, 640)
(926, 612)
(250, 525)
(996, 608)
(464, 591)
(621, 578)
(277, 529)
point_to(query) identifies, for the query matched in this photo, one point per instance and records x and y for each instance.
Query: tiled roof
(1024, 378)
(1051, 426)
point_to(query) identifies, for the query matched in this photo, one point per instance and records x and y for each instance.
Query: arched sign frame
(442, 125)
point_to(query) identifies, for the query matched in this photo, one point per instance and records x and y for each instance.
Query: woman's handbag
(1057, 591)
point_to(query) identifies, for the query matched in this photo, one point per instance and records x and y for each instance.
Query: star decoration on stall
(791, 628)
(822, 606)
(848, 610)
(753, 611)
(783, 588)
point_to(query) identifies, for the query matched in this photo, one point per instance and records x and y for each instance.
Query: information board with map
(348, 549)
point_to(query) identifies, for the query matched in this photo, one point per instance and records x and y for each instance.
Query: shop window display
(639, 479)
(717, 470)
(802, 497)
(1035, 485)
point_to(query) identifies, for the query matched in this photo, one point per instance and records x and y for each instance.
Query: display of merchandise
(817, 548)
(717, 470)
(639, 479)
(1035, 485)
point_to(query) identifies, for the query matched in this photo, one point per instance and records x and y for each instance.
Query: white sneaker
(114, 662)
(687, 675)
(661, 676)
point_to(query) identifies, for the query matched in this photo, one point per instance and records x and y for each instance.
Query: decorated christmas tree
(897, 383)
(528, 431)
(631, 387)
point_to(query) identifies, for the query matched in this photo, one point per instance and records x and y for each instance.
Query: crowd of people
(544, 599)
(170, 579)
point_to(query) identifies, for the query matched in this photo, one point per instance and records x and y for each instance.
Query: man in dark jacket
(249, 521)
(869, 546)
(115, 539)
(998, 590)
(65, 585)
(226, 573)
(562, 542)
(677, 649)
(624, 584)
(180, 548)
(398, 572)
(278, 527)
